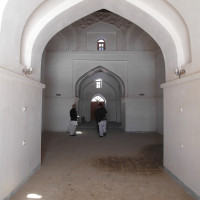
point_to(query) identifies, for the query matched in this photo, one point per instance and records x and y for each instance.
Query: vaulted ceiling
(34, 26)
(135, 38)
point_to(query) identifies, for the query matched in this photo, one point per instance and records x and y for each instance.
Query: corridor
(120, 166)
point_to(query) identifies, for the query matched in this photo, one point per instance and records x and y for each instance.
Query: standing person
(96, 116)
(73, 122)
(102, 120)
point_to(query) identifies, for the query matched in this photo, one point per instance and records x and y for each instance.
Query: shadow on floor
(148, 161)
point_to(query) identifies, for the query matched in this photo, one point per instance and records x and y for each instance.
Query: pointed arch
(158, 18)
(96, 70)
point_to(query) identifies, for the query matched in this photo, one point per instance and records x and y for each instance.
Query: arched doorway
(100, 84)
(94, 104)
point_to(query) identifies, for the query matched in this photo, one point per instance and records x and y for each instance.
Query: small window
(101, 45)
(98, 83)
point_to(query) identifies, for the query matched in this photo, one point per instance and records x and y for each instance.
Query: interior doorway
(94, 104)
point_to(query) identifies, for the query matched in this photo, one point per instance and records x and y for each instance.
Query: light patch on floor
(33, 196)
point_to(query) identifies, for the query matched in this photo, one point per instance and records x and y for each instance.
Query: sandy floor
(120, 166)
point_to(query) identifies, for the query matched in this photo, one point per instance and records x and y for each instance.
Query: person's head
(100, 105)
(74, 106)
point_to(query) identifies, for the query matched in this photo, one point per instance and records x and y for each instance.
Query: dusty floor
(120, 166)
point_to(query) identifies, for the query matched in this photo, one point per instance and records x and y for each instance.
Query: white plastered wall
(20, 132)
(136, 69)
(181, 109)
(181, 130)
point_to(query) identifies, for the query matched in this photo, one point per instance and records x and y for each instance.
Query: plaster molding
(99, 53)
(140, 97)
(56, 97)
(107, 17)
(182, 80)
(18, 77)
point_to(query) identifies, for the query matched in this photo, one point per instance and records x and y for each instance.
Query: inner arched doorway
(98, 98)
(89, 93)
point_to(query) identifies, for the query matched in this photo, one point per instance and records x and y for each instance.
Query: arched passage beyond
(112, 90)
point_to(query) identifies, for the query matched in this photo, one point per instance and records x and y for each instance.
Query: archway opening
(98, 98)
(131, 70)
(99, 85)
(163, 29)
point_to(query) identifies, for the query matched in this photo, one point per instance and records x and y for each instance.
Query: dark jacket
(73, 114)
(100, 114)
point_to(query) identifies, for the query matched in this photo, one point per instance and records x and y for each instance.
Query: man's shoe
(104, 134)
(73, 135)
(100, 136)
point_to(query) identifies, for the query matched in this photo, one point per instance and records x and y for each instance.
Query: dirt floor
(119, 166)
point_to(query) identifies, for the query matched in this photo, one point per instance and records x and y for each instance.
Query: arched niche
(110, 90)
(96, 70)
(158, 18)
